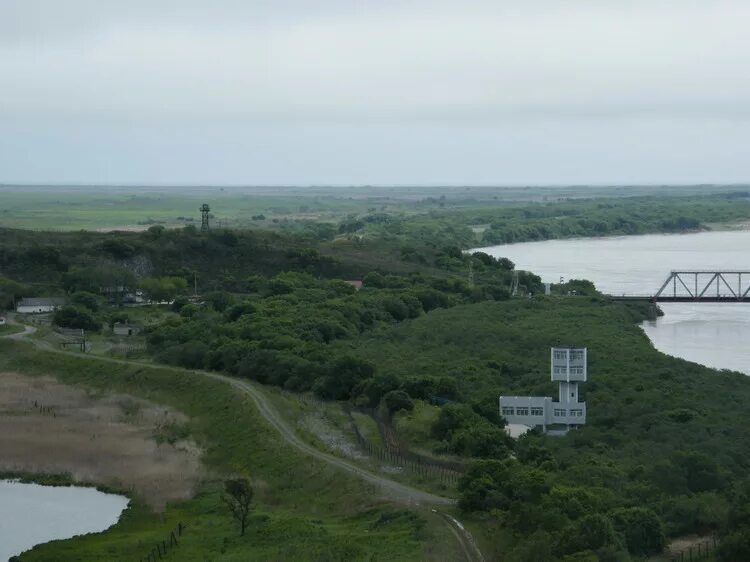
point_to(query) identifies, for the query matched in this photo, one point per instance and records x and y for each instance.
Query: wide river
(31, 514)
(716, 335)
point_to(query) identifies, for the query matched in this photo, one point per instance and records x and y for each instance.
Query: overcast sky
(374, 91)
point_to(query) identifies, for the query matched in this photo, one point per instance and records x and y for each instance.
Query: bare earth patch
(116, 440)
(332, 437)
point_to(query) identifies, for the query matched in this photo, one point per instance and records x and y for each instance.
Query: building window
(537, 411)
(576, 355)
(561, 355)
(576, 413)
(560, 370)
(507, 411)
(576, 370)
(522, 411)
(559, 413)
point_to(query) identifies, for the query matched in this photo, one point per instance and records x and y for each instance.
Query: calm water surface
(31, 514)
(716, 335)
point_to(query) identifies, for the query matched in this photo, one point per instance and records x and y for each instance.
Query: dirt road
(395, 491)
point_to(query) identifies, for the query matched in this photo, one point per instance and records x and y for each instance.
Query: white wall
(35, 309)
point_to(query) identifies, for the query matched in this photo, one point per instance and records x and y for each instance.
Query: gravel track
(395, 491)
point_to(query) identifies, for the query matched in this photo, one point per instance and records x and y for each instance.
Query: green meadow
(304, 509)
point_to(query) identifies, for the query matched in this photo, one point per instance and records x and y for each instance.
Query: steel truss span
(705, 286)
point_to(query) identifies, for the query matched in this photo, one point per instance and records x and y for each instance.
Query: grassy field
(304, 510)
(137, 207)
(415, 427)
(8, 329)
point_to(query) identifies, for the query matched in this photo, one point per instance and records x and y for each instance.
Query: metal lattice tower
(205, 210)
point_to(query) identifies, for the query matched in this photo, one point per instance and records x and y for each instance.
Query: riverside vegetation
(664, 453)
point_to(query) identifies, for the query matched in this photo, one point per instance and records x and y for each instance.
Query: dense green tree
(641, 528)
(378, 386)
(374, 280)
(86, 300)
(592, 532)
(219, 300)
(156, 231)
(75, 317)
(396, 400)
(11, 291)
(700, 470)
(163, 289)
(112, 279)
(344, 373)
(118, 248)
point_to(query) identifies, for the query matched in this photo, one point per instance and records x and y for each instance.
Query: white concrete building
(126, 329)
(568, 367)
(39, 306)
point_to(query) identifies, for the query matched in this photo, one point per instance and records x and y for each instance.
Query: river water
(31, 514)
(716, 335)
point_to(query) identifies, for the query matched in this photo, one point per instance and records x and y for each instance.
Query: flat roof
(42, 301)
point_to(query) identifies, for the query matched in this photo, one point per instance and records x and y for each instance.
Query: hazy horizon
(389, 93)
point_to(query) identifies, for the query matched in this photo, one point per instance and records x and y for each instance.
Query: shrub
(85, 300)
(641, 528)
(74, 317)
(396, 400)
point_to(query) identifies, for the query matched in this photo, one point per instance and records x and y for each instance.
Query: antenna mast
(205, 210)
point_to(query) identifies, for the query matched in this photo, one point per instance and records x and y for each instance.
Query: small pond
(31, 514)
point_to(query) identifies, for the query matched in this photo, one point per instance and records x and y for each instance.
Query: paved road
(395, 491)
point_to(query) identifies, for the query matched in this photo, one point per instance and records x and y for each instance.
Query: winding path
(395, 491)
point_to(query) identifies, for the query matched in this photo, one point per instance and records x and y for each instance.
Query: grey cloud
(372, 79)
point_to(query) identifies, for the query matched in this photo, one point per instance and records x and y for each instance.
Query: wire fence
(162, 549)
(394, 452)
(699, 551)
(408, 460)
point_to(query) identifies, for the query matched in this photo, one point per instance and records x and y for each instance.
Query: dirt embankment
(115, 440)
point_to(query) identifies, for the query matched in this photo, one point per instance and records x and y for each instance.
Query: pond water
(31, 514)
(711, 334)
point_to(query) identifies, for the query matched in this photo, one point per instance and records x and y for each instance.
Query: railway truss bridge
(705, 286)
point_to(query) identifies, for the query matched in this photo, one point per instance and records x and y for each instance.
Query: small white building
(39, 305)
(126, 329)
(569, 367)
